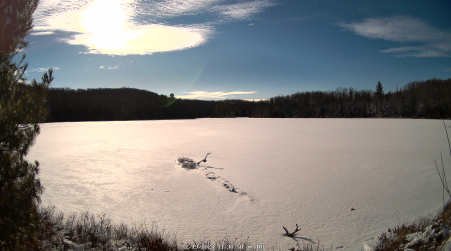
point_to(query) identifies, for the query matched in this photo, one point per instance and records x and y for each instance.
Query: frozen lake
(304, 171)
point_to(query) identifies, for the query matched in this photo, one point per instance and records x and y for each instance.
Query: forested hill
(420, 99)
(121, 104)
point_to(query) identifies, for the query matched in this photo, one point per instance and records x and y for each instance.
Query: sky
(240, 49)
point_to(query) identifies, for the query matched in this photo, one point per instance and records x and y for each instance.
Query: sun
(105, 27)
(108, 27)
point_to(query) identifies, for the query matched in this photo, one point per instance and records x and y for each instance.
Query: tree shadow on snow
(297, 238)
(214, 167)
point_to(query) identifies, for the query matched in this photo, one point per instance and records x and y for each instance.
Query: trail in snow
(188, 163)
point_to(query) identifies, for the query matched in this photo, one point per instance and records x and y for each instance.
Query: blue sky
(252, 49)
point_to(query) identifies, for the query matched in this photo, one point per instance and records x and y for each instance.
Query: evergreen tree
(379, 90)
(22, 107)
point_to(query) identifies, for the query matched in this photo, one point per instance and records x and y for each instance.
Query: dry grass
(89, 232)
(398, 238)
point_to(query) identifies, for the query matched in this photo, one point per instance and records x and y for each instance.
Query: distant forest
(419, 99)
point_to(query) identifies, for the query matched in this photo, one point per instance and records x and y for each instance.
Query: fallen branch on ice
(189, 163)
(205, 159)
(293, 233)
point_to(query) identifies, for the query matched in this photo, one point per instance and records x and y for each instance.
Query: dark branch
(293, 233)
(205, 159)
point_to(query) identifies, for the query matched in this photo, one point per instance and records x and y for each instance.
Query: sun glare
(104, 16)
(105, 27)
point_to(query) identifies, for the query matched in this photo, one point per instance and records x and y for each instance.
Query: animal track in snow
(225, 183)
(212, 176)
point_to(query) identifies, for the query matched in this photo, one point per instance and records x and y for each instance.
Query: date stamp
(222, 247)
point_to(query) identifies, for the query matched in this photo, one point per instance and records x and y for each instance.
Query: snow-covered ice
(309, 172)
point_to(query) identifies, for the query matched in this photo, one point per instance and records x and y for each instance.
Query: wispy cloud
(403, 29)
(121, 27)
(213, 95)
(111, 67)
(173, 8)
(217, 11)
(42, 33)
(244, 10)
(417, 51)
(41, 69)
(28, 71)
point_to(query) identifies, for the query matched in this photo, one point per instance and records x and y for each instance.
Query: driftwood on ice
(292, 233)
(189, 163)
(204, 160)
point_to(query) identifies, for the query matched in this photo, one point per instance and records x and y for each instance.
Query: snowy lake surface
(292, 171)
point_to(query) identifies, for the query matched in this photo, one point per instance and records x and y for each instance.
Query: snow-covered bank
(423, 234)
(297, 171)
(89, 232)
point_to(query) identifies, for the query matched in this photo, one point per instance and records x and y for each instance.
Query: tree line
(419, 99)
(105, 104)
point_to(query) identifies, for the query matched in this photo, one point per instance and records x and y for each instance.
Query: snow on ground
(293, 171)
(188, 163)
